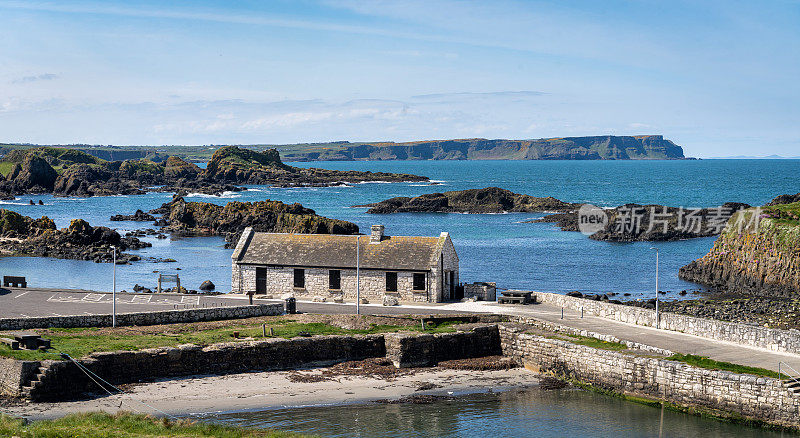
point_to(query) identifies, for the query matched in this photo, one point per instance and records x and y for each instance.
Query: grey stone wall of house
(745, 395)
(14, 374)
(144, 318)
(280, 282)
(412, 350)
(745, 334)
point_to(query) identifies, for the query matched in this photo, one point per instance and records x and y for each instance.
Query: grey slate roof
(338, 251)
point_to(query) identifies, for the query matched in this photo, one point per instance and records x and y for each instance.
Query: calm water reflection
(524, 413)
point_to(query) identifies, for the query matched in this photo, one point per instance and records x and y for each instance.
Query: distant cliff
(760, 257)
(641, 147)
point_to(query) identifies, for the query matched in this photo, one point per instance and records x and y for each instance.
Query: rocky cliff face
(566, 148)
(487, 200)
(760, 257)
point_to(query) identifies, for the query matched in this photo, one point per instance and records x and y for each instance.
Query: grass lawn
(704, 362)
(79, 342)
(102, 425)
(595, 343)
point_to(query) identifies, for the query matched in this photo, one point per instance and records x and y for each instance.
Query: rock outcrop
(487, 200)
(22, 235)
(203, 218)
(634, 222)
(607, 147)
(69, 172)
(757, 254)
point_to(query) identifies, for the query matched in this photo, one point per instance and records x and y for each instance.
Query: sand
(280, 389)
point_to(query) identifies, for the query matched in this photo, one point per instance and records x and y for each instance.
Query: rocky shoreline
(70, 172)
(22, 235)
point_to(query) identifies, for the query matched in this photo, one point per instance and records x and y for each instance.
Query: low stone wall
(64, 380)
(744, 334)
(410, 350)
(758, 398)
(144, 318)
(14, 374)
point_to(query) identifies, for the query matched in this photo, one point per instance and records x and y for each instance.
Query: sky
(719, 78)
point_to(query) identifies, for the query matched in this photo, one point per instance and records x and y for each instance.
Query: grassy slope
(704, 362)
(79, 342)
(5, 167)
(102, 425)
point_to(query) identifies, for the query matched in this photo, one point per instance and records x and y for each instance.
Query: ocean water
(491, 247)
(523, 413)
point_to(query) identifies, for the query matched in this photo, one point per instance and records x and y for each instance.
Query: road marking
(141, 299)
(190, 300)
(21, 294)
(93, 297)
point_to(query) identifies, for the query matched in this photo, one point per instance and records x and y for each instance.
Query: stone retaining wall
(752, 397)
(14, 374)
(744, 334)
(144, 318)
(63, 380)
(410, 350)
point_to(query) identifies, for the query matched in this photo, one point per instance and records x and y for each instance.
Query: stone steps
(792, 385)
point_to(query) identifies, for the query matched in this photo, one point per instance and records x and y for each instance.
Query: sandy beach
(281, 389)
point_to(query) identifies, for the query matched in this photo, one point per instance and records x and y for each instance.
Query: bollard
(271, 333)
(562, 313)
(264, 330)
(581, 312)
(422, 320)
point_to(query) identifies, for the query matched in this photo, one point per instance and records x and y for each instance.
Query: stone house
(309, 266)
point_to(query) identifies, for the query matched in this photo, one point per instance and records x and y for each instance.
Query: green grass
(788, 214)
(103, 425)
(80, 342)
(704, 362)
(5, 167)
(596, 343)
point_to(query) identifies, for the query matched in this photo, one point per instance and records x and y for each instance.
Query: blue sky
(717, 77)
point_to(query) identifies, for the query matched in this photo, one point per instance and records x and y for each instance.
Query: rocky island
(70, 172)
(758, 254)
(486, 200)
(608, 147)
(635, 222)
(22, 235)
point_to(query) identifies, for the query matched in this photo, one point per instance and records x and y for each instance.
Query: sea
(530, 412)
(503, 248)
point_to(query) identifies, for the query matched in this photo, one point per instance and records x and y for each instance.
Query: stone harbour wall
(722, 392)
(771, 339)
(144, 318)
(411, 350)
(14, 374)
(64, 380)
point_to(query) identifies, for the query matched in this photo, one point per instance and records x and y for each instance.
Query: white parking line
(141, 299)
(93, 297)
(21, 294)
(190, 300)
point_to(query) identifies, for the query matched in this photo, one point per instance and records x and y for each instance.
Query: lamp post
(658, 317)
(358, 275)
(114, 287)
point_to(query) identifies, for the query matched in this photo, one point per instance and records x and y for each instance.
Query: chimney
(377, 234)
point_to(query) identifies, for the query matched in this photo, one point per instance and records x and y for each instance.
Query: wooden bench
(27, 341)
(11, 281)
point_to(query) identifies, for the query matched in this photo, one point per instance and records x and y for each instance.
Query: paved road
(669, 340)
(30, 302)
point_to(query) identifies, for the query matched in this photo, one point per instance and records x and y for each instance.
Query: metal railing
(789, 377)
